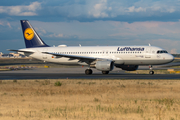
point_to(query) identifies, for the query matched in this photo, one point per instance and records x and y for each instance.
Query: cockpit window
(161, 51)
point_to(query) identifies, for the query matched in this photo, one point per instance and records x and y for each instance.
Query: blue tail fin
(31, 37)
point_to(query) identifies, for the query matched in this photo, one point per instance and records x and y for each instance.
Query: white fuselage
(121, 55)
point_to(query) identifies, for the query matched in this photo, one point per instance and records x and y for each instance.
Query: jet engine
(104, 65)
(128, 67)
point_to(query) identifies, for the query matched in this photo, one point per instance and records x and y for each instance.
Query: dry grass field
(90, 99)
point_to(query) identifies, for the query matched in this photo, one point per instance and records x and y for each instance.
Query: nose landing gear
(151, 72)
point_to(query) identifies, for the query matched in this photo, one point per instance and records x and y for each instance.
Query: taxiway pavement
(77, 73)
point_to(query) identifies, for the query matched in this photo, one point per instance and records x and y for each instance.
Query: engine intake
(104, 65)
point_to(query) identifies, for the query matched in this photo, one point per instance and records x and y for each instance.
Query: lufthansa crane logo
(29, 34)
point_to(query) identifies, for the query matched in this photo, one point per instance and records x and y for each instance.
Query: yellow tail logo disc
(29, 34)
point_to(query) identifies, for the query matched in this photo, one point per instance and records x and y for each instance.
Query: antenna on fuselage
(79, 45)
(149, 44)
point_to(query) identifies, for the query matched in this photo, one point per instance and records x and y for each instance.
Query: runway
(13, 76)
(77, 73)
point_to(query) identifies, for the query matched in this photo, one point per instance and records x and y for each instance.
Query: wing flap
(72, 56)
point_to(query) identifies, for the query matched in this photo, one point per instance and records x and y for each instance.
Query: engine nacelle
(129, 67)
(104, 65)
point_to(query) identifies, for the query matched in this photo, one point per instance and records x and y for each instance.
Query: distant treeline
(176, 55)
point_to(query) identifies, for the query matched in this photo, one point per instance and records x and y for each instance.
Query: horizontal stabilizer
(20, 51)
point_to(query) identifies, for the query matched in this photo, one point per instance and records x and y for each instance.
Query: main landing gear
(151, 72)
(105, 72)
(88, 71)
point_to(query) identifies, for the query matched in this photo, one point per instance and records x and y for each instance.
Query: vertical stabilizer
(31, 38)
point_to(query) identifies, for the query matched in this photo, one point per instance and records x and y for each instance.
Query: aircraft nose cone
(170, 58)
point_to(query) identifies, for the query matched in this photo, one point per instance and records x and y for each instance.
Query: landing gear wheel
(105, 72)
(151, 72)
(88, 71)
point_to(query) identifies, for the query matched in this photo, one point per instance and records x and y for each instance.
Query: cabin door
(44, 55)
(148, 53)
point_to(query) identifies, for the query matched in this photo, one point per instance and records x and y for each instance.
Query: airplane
(102, 58)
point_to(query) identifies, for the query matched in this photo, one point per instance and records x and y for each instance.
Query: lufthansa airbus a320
(103, 58)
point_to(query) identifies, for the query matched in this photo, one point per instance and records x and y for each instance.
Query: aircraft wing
(20, 51)
(82, 58)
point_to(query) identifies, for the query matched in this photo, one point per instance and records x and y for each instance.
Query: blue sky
(93, 22)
